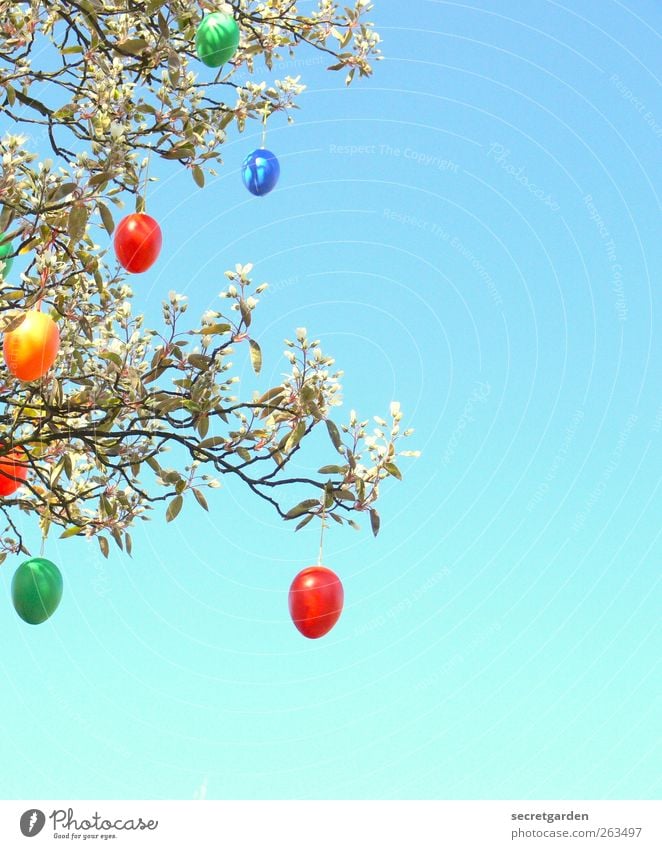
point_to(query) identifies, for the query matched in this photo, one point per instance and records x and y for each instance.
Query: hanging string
(264, 128)
(146, 181)
(149, 160)
(42, 285)
(320, 556)
(44, 532)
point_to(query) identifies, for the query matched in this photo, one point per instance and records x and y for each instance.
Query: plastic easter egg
(13, 472)
(36, 590)
(31, 348)
(217, 39)
(260, 172)
(316, 601)
(6, 261)
(138, 242)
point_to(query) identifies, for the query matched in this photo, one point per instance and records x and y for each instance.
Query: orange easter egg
(30, 350)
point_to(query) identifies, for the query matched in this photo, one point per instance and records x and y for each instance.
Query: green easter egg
(36, 590)
(217, 39)
(6, 248)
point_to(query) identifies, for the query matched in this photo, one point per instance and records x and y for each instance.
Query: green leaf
(374, 521)
(106, 217)
(62, 191)
(169, 405)
(128, 543)
(302, 507)
(212, 442)
(85, 327)
(77, 222)
(112, 357)
(199, 361)
(332, 470)
(117, 536)
(392, 469)
(245, 312)
(208, 329)
(14, 323)
(153, 464)
(6, 217)
(199, 497)
(73, 531)
(271, 399)
(103, 545)
(343, 495)
(55, 472)
(180, 151)
(304, 522)
(163, 24)
(134, 46)
(170, 476)
(202, 425)
(174, 507)
(198, 176)
(106, 505)
(256, 355)
(334, 435)
(98, 179)
(295, 437)
(270, 394)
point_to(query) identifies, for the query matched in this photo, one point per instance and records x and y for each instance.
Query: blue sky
(475, 233)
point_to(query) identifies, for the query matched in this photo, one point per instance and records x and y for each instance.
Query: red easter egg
(13, 472)
(138, 242)
(316, 601)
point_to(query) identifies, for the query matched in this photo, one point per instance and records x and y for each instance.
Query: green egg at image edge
(6, 264)
(36, 590)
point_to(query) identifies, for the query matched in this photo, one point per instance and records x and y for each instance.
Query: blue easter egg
(260, 172)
